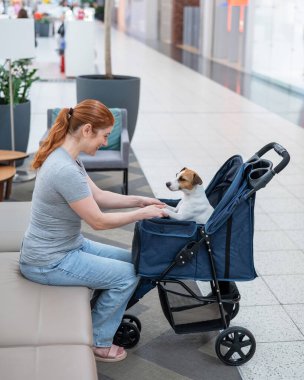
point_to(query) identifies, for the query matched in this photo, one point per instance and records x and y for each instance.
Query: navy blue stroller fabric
(157, 242)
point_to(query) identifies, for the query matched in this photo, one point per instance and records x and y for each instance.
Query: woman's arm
(107, 199)
(89, 211)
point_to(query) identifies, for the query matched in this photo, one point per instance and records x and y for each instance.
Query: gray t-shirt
(54, 227)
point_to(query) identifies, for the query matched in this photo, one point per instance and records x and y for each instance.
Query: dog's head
(186, 179)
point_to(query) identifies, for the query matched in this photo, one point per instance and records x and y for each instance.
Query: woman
(53, 251)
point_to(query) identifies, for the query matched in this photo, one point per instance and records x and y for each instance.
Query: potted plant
(113, 90)
(23, 77)
(42, 24)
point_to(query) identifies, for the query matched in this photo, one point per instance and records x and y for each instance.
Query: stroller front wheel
(235, 346)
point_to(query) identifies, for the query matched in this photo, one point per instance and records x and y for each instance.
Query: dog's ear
(180, 171)
(197, 180)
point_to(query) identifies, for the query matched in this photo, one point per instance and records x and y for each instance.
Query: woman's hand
(153, 211)
(146, 201)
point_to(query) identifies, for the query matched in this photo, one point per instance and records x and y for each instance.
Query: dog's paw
(170, 213)
(170, 208)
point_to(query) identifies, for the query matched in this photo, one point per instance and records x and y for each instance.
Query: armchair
(112, 158)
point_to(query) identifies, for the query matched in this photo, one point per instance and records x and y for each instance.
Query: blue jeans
(96, 266)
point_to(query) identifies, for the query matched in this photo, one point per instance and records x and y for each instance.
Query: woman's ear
(87, 130)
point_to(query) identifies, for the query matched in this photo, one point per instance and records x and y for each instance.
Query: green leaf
(23, 76)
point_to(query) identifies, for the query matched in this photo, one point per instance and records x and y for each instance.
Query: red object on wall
(236, 3)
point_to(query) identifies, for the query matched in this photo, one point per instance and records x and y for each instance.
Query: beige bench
(45, 331)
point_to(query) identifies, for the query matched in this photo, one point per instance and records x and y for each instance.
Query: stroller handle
(280, 150)
(262, 171)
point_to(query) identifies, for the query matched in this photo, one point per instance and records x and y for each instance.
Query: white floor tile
(272, 241)
(289, 220)
(297, 237)
(279, 262)
(263, 222)
(273, 206)
(268, 323)
(297, 190)
(272, 191)
(256, 293)
(295, 179)
(296, 313)
(275, 361)
(289, 289)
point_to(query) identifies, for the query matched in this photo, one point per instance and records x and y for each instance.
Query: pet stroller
(195, 267)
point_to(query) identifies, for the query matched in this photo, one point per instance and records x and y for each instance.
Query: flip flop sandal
(111, 356)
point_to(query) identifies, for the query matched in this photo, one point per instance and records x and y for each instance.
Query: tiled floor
(186, 119)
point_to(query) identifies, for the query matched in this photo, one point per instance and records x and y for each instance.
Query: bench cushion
(48, 363)
(34, 314)
(14, 220)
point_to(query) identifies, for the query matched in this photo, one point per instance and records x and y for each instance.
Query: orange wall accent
(236, 3)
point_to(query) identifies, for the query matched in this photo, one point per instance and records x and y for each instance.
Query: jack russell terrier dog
(194, 205)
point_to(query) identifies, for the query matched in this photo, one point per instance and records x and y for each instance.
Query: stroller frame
(184, 256)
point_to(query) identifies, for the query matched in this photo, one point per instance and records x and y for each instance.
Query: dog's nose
(168, 184)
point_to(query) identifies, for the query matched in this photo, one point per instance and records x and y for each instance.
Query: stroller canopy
(226, 191)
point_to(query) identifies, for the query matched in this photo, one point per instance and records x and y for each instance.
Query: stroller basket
(188, 310)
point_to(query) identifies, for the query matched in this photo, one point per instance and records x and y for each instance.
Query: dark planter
(22, 121)
(120, 92)
(99, 13)
(42, 29)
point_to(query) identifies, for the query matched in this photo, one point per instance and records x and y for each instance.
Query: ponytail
(68, 121)
(54, 139)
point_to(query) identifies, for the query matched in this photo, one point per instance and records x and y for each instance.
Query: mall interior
(213, 79)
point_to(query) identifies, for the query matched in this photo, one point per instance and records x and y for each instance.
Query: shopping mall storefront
(260, 37)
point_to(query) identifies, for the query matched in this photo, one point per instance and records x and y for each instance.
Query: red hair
(68, 121)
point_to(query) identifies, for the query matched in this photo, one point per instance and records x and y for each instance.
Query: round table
(11, 156)
(8, 157)
(6, 176)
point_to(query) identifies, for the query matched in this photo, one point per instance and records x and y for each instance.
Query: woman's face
(94, 141)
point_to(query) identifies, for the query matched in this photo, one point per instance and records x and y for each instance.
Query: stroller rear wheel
(132, 319)
(235, 346)
(127, 335)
